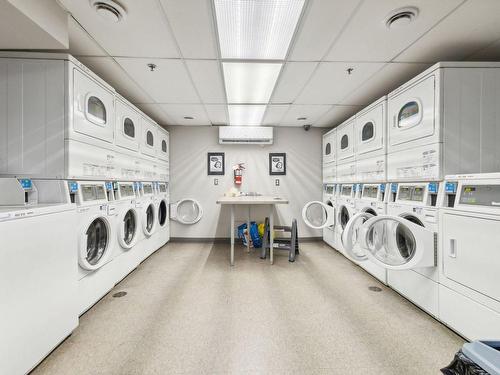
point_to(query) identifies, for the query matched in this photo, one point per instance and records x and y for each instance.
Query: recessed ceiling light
(246, 114)
(256, 29)
(301, 118)
(401, 17)
(250, 82)
(110, 10)
(188, 118)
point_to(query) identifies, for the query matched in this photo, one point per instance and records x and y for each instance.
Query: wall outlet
(277, 182)
(216, 181)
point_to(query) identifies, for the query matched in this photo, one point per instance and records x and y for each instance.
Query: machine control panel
(73, 187)
(26, 183)
(382, 188)
(433, 187)
(450, 188)
(480, 195)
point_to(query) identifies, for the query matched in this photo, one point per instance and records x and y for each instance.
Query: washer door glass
(97, 241)
(150, 218)
(188, 211)
(398, 243)
(344, 216)
(162, 213)
(350, 236)
(319, 215)
(129, 227)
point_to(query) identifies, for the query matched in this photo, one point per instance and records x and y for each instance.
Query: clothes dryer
(370, 137)
(444, 121)
(329, 158)
(39, 267)
(469, 297)
(371, 202)
(404, 241)
(96, 237)
(345, 152)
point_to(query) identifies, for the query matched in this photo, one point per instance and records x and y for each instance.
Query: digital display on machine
(394, 188)
(451, 187)
(88, 192)
(433, 187)
(370, 191)
(109, 186)
(163, 188)
(347, 190)
(100, 192)
(480, 195)
(382, 188)
(148, 189)
(329, 189)
(127, 190)
(73, 187)
(411, 193)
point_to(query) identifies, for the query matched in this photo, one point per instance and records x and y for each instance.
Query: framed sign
(277, 164)
(215, 163)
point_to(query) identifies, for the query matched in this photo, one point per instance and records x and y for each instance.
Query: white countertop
(261, 199)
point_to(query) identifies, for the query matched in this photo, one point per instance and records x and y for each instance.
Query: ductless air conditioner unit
(250, 135)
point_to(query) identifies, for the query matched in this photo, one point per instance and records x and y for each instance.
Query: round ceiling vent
(110, 10)
(400, 18)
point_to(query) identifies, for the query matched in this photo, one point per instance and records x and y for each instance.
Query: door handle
(453, 248)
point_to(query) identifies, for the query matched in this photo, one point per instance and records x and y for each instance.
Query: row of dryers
(59, 120)
(435, 243)
(442, 122)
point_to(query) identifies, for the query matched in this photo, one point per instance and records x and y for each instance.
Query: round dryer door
(128, 229)
(186, 211)
(397, 243)
(149, 219)
(319, 215)
(95, 244)
(350, 236)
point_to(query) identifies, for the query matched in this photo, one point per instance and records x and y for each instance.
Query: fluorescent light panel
(256, 29)
(250, 82)
(246, 114)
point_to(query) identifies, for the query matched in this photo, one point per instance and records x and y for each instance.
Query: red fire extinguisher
(238, 173)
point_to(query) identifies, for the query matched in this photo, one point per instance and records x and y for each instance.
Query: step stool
(291, 244)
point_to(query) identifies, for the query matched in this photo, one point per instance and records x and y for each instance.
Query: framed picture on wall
(277, 164)
(215, 163)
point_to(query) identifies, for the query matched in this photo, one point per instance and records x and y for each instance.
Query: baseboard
(227, 239)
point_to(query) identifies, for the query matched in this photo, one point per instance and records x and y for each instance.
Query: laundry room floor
(187, 311)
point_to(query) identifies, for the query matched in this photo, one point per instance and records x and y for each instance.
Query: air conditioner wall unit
(250, 135)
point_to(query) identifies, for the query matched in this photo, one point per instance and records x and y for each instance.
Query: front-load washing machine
(96, 238)
(321, 215)
(371, 202)
(345, 211)
(128, 230)
(469, 297)
(39, 266)
(162, 235)
(404, 241)
(444, 121)
(370, 137)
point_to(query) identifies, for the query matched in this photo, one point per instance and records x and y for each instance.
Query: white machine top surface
(39, 209)
(262, 199)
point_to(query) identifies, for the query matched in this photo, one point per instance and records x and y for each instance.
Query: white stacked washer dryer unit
(371, 202)
(345, 152)
(469, 296)
(370, 137)
(162, 235)
(321, 215)
(128, 230)
(163, 155)
(149, 218)
(329, 157)
(346, 206)
(96, 238)
(444, 121)
(39, 267)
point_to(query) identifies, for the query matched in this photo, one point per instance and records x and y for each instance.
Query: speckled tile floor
(187, 312)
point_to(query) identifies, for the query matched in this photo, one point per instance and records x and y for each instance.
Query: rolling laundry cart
(291, 244)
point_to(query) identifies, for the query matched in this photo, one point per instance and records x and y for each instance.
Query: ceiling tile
(207, 78)
(391, 76)
(470, 28)
(331, 82)
(217, 114)
(80, 43)
(193, 27)
(177, 112)
(322, 22)
(241, 114)
(109, 70)
(366, 37)
(168, 83)
(155, 112)
(144, 31)
(337, 115)
(291, 81)
(274, 114)
(311, 113)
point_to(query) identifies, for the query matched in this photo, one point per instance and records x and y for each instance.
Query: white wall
(189, 179)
